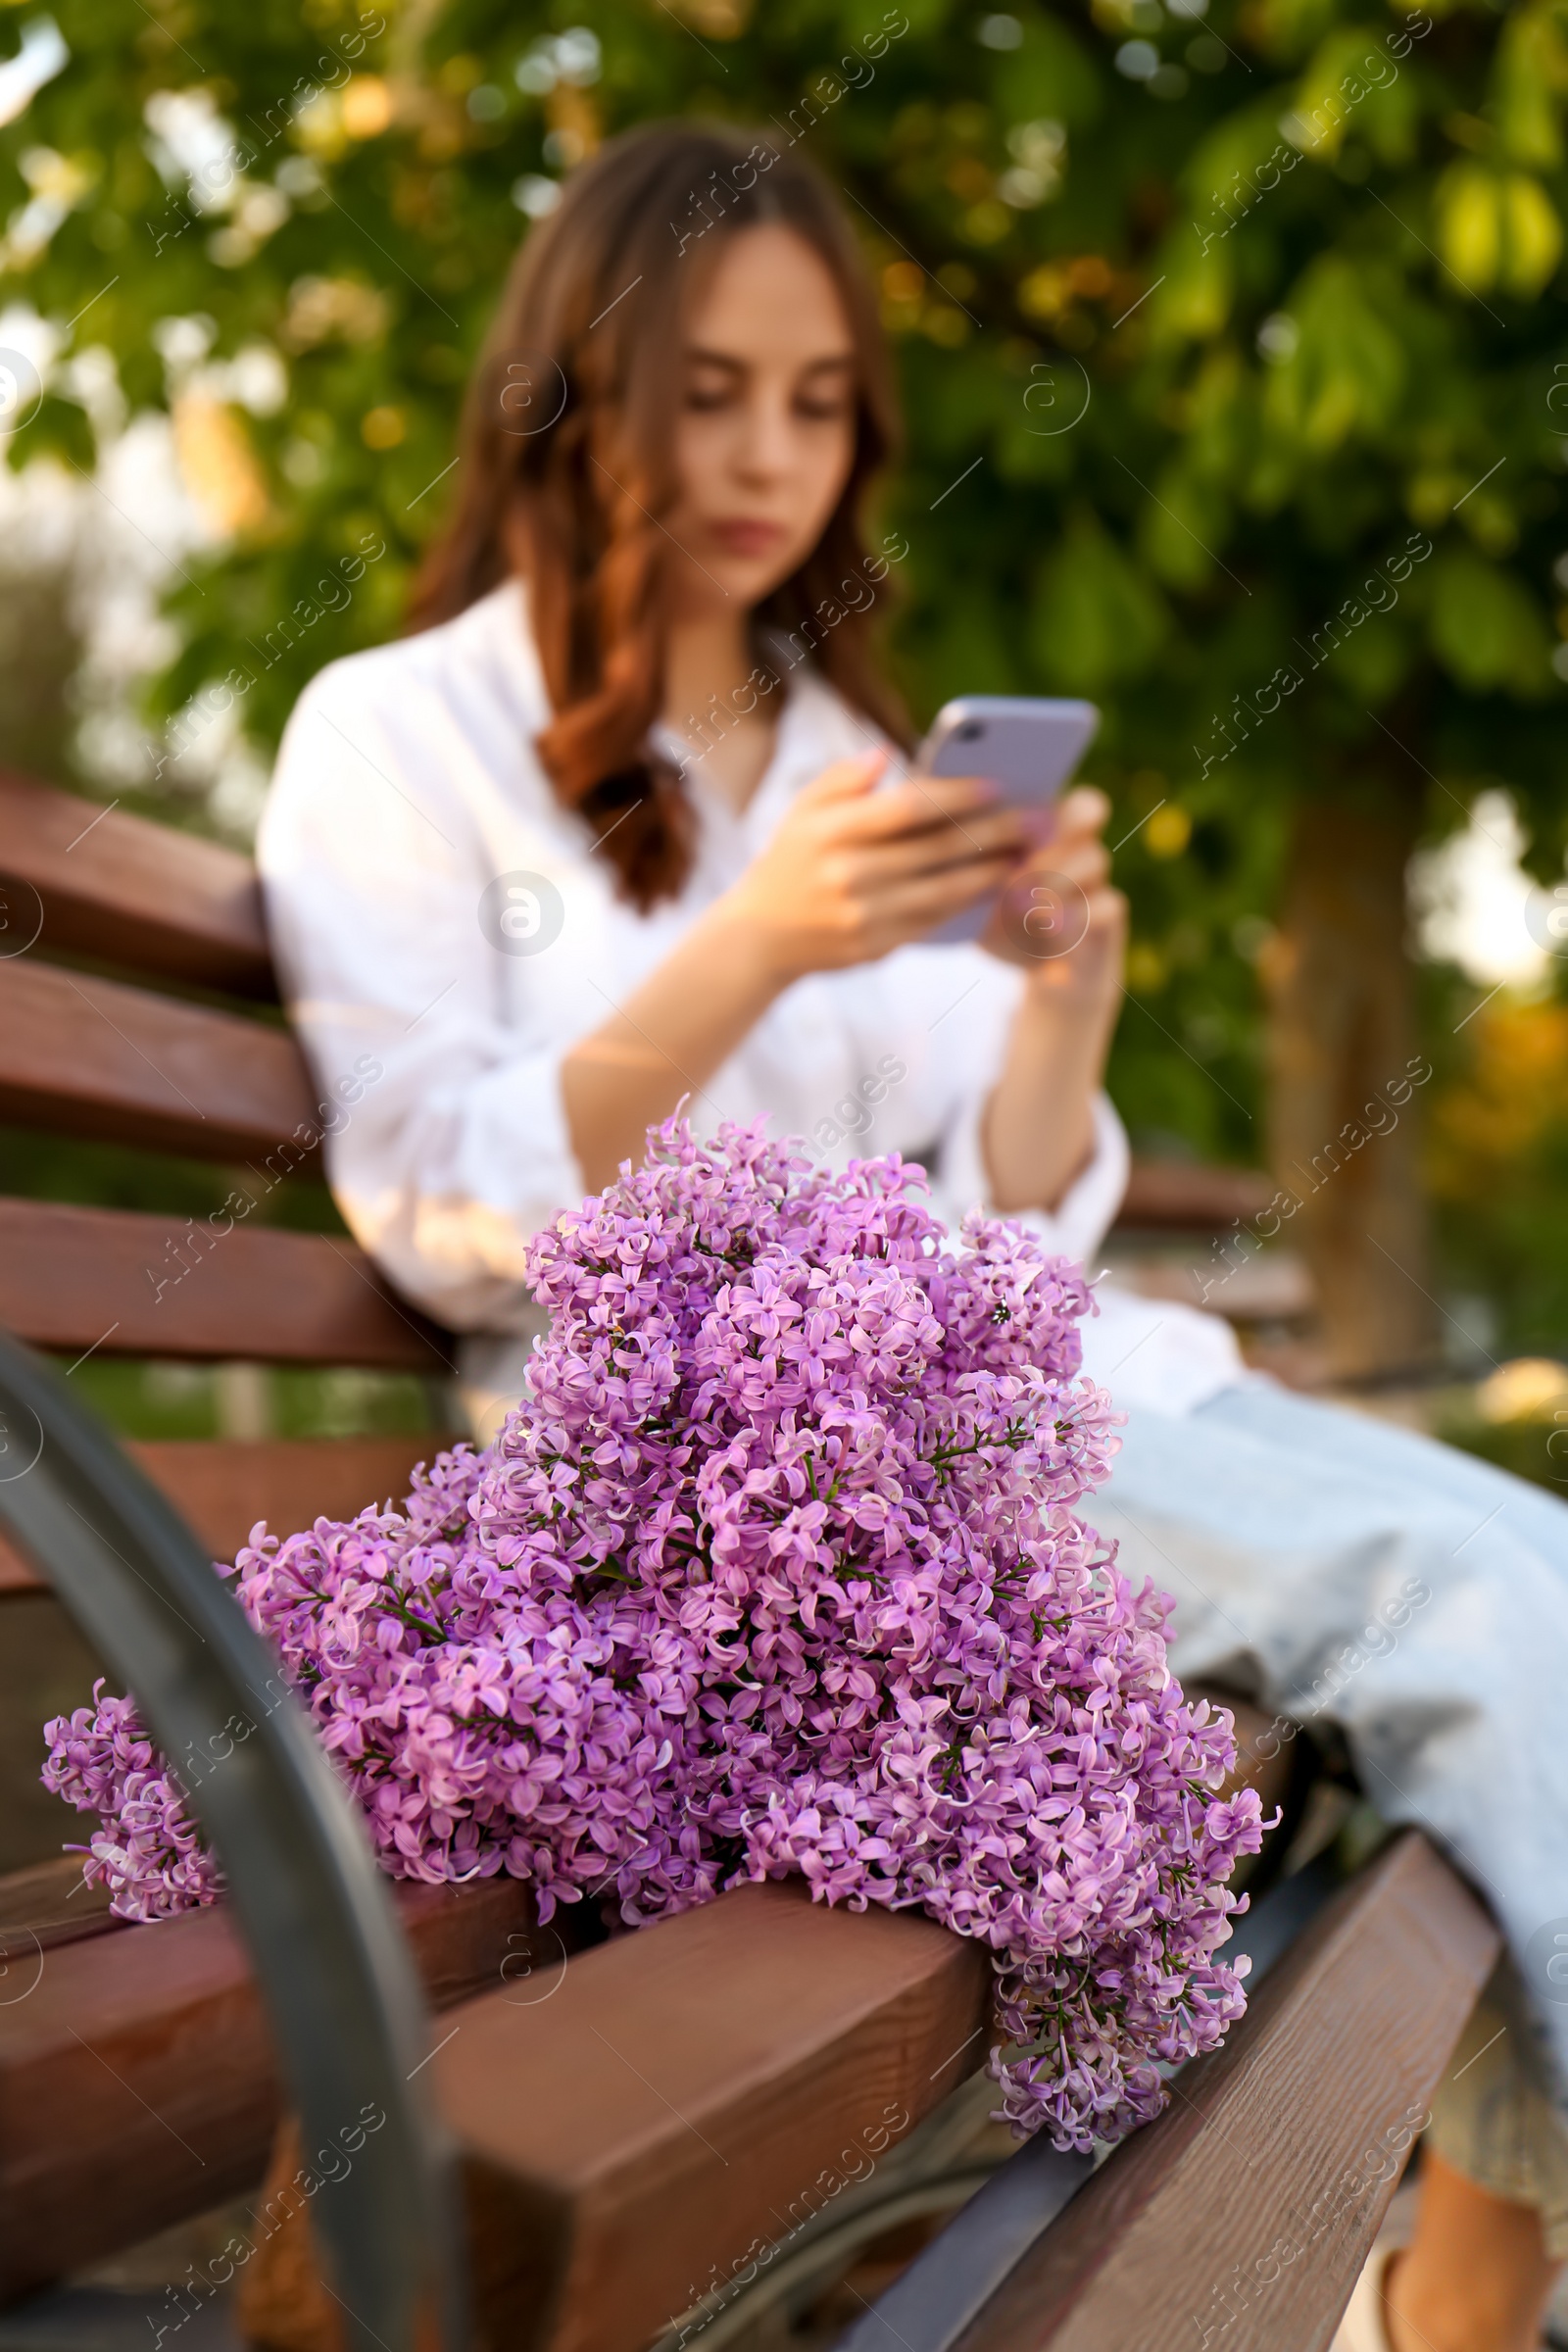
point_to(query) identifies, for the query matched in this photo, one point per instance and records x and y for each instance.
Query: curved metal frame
(339, 1985)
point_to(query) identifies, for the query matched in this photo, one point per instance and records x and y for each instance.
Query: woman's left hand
(1062, 922)
(1058, 916)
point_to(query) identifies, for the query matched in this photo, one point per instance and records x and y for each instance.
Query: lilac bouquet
(776, 1569)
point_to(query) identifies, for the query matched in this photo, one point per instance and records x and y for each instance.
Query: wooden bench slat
(1177, 1195)
(84, 1056)
(132, 891)
(222, 1486)
(136, 2079)
(1275, 1285)
(1261, 2163)
(77, 1278)
(681, 2090)
(225, 1485)
(49, 1903)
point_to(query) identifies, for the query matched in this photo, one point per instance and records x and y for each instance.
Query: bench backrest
(138, 1007)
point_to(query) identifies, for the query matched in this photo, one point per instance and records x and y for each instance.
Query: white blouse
(446, 932)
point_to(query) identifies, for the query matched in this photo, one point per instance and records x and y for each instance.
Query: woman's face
(766, 433)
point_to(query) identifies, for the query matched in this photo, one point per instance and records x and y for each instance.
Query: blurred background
(1237, 379)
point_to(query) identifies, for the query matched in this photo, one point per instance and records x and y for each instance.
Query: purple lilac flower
(777, 1569)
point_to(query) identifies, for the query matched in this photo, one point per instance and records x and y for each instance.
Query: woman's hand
(852, 871)
(1059, 917)
(1061, 920)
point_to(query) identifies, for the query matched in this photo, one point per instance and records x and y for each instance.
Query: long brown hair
(566, 464)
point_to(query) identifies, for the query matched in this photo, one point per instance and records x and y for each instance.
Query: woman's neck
(707, 660)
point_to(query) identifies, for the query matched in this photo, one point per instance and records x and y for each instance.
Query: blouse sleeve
(1083, 1217)
(457, 1150)
(958, 1005)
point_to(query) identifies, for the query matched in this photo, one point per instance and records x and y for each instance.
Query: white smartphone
(1028, 744)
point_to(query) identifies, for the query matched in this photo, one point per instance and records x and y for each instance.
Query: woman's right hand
(853, 872)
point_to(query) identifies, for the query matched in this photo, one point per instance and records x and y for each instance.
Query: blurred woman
(628, 823)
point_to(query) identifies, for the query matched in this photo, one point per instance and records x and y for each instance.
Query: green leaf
(1530, 83)
(1487, 629)
(1349, 370)
(1094, 618)
(1182, 526)
(1287, 28)
(59, 428)
(1196, 283)
(1220, 176)
(1354, 86)
(1048, 76)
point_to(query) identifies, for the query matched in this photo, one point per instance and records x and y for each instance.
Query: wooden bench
(636, 2116)
(96, 1042)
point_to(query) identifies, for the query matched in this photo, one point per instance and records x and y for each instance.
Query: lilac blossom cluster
(776, 1571)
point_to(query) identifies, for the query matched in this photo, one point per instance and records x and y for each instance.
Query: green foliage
(171, 1400)
(1298, 346)
(1485, 627)
(1096, 619)
(1497, 1147)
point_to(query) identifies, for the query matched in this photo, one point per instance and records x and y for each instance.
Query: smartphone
(1027, 744)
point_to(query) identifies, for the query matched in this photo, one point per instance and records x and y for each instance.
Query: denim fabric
(1348, 1571)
